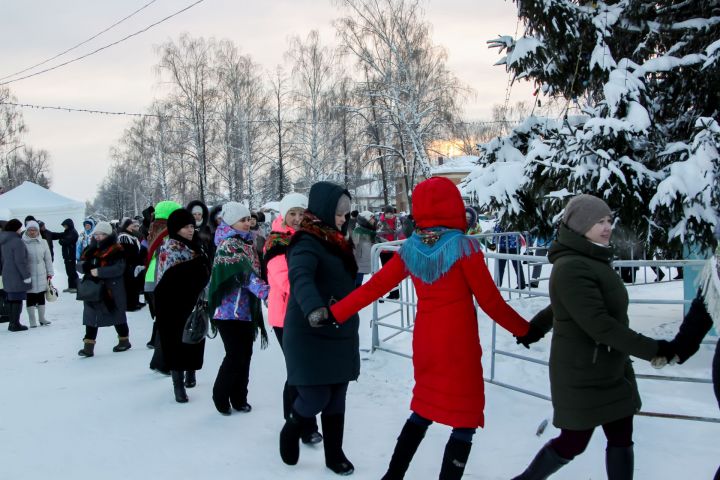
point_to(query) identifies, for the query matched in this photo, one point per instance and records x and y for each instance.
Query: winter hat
(437, 203)
(196, 209)
(13, 225)
(292, 200)
(364, 219)
(178, 219)
(32, 224)
(584, 211)
(366, 215)
(234, 211)
(165, 208)
(389, 209)
(103, 227)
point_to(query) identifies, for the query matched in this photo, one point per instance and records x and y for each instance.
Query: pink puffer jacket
(277, 273)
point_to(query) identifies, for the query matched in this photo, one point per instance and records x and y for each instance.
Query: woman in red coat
(447, 269)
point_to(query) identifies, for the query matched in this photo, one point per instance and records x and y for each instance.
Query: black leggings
(458, 433)
(35, 299)
(572, 443)
(122, 330)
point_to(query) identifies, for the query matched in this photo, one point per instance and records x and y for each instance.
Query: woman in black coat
(321, 358)
(183, 270)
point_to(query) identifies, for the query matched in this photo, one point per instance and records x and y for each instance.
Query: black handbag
(89, 290)
(197, 324)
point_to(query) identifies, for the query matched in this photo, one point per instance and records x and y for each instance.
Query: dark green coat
(318, 272)
(591, 376)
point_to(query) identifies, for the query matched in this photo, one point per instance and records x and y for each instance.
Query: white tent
(50, 207)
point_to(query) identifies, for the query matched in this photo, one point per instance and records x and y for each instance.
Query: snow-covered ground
(110, 417)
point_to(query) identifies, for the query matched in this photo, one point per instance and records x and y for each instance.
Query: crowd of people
(309, 270)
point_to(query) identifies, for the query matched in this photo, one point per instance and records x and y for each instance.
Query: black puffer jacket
(68, 239)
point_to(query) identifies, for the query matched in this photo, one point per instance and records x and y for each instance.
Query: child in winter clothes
(292, 208)
(234, 296)
(447, 269)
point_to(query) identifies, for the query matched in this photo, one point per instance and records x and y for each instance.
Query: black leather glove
(666, 350)
(693, 329)
(533, 335)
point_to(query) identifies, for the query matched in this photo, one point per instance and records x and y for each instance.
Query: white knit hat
(234, 211)
(366, 215)
(292, 200)
(103, 227)
(32, 224)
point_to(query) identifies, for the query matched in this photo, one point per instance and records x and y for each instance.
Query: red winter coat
(446, 344)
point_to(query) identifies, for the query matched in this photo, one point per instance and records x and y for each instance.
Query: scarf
(360, 231)
(99, 255)
(276, 244)
(709, 283)
(333, 239)
(235, 260)
(430, 253)
(171, 253)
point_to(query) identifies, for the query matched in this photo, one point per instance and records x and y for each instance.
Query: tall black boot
(333, 429)
(454, 459)
(15, 308)
(408, 441)
(178, 386)
(290, 438)
(619, 463)
(546, 462)
(190, 380)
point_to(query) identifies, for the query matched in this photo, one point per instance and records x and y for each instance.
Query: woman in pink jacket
(292, 207)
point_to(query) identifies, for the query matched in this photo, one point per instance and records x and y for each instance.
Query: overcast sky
(122, 78)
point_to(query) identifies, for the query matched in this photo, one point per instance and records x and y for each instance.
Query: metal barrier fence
(400, 318)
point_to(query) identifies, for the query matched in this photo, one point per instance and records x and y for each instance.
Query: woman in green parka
(592, 382)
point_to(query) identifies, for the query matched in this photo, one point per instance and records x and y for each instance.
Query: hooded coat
(318, 272)
(449, 386)
(68, 239)
(39, 261)
(592, 381)
(85, 237)
(205, 234)
(15, 263)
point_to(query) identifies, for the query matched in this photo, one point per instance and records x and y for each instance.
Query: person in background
(592, 382)
(202, 226)
(292, 208)
(47, 235)
(41, 271)
(103, 261)
(471, 217)
(15, 270)
(85, 237)
(540, 249)
(234, 295)
(511, 244)
(128, 239)
(258, 235)
(389, 229)
(363, 238)
(320, 361)
(351, 223)
(214, 221)
(68, 240)
(447, 269)
(183, 271)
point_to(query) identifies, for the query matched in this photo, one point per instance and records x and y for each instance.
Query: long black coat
(330, 354)
(111, 310)
(175, 297)
(68, 239)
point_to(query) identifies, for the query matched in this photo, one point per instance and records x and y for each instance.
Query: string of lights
(81, 43)
(103, 47)
(261, 120)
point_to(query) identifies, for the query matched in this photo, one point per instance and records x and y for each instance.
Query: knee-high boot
(179, 386)
(407, 443)
(619, 463)
(41, 315)
(290, 435)
(546, 462)
(454, 459)
(15, 309)
(333, 427)
(32, 316)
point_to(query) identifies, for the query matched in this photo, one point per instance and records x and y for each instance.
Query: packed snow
(110, 417)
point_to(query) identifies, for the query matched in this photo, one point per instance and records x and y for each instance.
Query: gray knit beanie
(584, 211)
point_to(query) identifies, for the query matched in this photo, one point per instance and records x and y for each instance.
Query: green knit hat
(165, 208)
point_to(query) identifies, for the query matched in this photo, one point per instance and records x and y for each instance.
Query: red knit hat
(437, 203)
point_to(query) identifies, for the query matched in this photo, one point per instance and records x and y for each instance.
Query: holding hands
(321, 317)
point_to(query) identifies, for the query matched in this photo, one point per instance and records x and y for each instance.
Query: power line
(106, 46)
(261, 120)
(81, 43)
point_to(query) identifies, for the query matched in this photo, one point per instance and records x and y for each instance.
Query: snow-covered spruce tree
(644, 75)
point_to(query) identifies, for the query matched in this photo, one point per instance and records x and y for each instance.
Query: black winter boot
(88, 349)
(290, 438)
(178, 386)
(454, 459)
(619, 463)
(546, 462)
(15, 308)
(407, 443)
(190, 381)
(334, 428)
(123, 344)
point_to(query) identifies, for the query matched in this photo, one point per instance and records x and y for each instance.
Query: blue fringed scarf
(430, 253)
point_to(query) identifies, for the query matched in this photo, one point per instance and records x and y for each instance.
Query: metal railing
(399, 318)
